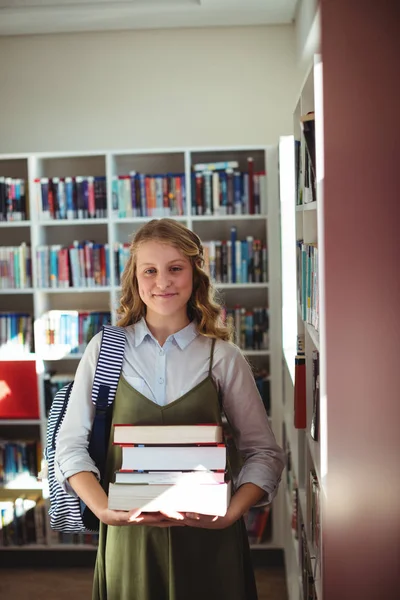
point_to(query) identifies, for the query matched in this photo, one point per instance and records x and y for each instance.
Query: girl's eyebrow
(168, 263)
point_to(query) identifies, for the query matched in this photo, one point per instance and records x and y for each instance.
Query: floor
(67, 584)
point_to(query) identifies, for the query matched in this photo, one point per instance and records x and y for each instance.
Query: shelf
(314, 335)
(13, 494)
(49, 547)
(310, 206)
(265, 546)
(20, 422)
(214, 218)
(256, 352)
(306, 207)
(16, 291)
(74, 290)
(241, 286)
(48, 358)
(15, 223)
(72, 222)
(146, 219)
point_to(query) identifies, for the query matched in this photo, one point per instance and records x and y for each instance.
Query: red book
(199, 193)
(19, 398)
(250, 170)
(300, 396)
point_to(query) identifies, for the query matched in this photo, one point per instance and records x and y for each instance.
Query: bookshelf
(112, 228)
(303, 332)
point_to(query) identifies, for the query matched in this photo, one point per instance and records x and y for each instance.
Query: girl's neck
(162, 327)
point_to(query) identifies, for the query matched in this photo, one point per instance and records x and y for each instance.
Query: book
(216, 166)
(173, 458)
(170, 477)
(19, 395)
(167, 434)
(207, 499)
(300, 397)
(314, 429)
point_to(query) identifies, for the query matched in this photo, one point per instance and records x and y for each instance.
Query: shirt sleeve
(263, 459)
(72, 454)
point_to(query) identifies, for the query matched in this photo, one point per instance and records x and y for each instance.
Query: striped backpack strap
(109, 366)
(105, 383)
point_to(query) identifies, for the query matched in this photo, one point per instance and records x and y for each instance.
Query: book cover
(300, 404)
(167, 434)
(173, 458)
(207, 499)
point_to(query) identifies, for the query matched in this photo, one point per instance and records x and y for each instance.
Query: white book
(168, 434)
(202, 498)
(173, 458)
(169, 477)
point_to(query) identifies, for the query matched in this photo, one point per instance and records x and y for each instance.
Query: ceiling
(25, 17)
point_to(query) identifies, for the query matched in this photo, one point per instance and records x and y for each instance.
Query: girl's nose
(163, 280)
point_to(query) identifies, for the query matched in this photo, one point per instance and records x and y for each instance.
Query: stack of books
(171, 468)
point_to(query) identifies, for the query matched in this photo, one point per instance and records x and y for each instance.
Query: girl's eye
(149, 271)
(176, 268)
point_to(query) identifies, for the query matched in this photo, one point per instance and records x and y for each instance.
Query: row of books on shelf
(250, 326)
(258, 521)
(236, 261)
(71, 197)
(25, 523)
(218, 188)
(53, 381)
(308, 282)
(305, 163)
(72, 330)
(224, 190)
(300, 390)
(307, 552)
(16, 332)
(83, 264)
(19, 459)
(15, 267)
(12, 199)
(140, 195)
(86, 264)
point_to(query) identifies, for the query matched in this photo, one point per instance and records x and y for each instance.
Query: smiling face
(165, 279)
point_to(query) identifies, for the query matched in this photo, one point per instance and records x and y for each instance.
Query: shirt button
(160, 380)
(161, 352)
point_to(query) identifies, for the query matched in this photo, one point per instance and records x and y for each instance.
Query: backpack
(69, 514)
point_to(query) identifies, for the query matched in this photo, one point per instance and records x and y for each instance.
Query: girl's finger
(134, 514)
(173, 515)
(193, 516)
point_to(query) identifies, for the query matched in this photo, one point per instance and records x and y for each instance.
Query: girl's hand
(205, 521)
(136, 517)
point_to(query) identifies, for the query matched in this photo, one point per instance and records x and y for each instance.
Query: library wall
(149, 89)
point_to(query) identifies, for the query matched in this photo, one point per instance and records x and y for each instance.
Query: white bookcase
(302, 222)
(112, 229)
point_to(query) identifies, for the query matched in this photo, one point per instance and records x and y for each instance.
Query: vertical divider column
(188, 178)
(111, 234)
(34, 172)
(275, 328)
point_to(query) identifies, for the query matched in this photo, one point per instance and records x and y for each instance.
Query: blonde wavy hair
(202, 307)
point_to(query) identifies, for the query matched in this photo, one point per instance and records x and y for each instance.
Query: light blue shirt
(164, 374)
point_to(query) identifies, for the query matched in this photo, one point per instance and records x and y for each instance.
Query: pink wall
(361, 56)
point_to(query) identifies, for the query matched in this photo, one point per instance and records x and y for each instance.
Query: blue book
(233, 251)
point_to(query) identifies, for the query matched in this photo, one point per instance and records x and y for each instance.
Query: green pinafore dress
(174, 563)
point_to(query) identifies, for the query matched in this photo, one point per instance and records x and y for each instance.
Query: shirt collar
(182, 337)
